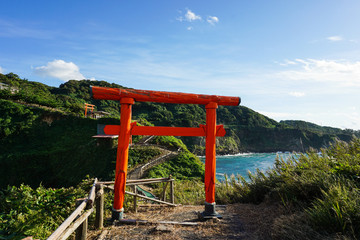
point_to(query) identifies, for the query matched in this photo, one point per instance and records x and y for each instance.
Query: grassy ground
(240, 221)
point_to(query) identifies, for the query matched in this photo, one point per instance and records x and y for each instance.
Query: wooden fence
(78, 220)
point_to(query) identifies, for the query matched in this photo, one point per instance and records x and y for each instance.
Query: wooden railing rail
(61, 232)
(136, 182)
(78, 220)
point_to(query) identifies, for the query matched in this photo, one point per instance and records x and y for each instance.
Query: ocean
(243, 163)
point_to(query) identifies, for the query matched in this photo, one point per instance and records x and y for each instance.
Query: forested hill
(248, 131)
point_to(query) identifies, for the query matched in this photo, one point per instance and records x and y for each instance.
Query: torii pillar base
(209, 212)
(117, 214)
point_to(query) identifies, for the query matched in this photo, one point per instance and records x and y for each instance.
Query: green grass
(324, 187)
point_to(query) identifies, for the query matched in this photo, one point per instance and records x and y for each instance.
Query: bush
(36, 212)
(141, 155)
(169, 141)
(183, 166)
(325, 186)
(338, 210)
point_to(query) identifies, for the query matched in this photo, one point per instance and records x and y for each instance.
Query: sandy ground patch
(240, 221)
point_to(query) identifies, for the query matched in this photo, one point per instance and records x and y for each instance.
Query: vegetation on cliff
(57, 150)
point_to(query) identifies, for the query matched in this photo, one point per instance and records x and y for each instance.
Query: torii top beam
(161, 97)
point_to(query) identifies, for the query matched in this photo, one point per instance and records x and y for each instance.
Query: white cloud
(335, 38)
(61, 70)
(212, 20)
(297, 94)
(1, 70)
(287, 63)
(345, 73)
(189, 17)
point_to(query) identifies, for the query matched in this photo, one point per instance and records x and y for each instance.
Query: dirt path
(240, 221)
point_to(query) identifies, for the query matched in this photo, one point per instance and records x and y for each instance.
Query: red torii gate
(91, 106)
(127, 98)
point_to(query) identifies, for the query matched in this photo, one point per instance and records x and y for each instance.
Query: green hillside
(248, 130)
(316, 128)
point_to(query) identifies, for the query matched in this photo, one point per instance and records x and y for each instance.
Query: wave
(246, 155)
(236, 155)
(233, 155)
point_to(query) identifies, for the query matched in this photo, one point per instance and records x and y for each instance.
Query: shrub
(141, 155)
(338, 210)
(183, 166)
(324, 186)
(36, 212)
(169, 141)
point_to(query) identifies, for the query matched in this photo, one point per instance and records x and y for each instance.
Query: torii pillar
(127, 97)
(122, 157)
(210, 160)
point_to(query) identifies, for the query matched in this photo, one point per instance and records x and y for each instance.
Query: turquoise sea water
(244, 162)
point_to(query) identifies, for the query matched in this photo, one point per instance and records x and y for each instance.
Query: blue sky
(285, 59)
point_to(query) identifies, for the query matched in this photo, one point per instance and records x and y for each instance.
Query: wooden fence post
(99, 218)
(172, 191)
(81, 231)
(135, 199)
(163, 195)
